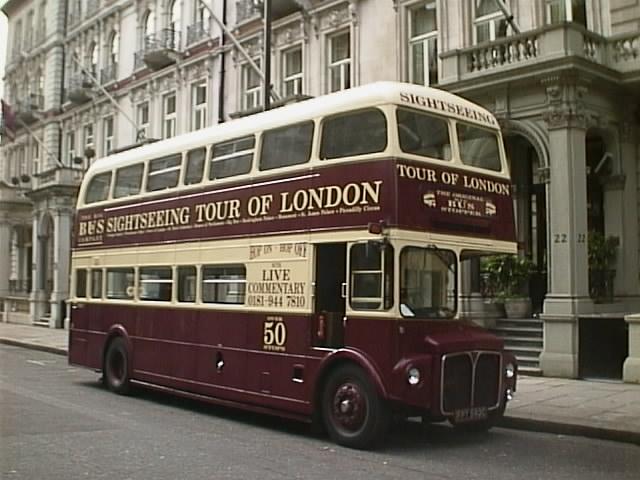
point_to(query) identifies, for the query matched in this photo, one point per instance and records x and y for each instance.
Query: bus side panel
(375, 337)
(279, 366)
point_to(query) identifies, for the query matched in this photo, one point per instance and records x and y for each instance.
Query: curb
(569, 429)
(33, 346)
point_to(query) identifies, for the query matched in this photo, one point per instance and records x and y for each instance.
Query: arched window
(175, 16)
(114, 49)
(92, 57)
(148, 26)
(202, 14)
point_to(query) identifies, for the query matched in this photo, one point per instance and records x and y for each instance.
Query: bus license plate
(470, 414)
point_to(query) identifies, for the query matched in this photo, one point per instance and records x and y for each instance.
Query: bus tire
(115, 371)
(354, 414)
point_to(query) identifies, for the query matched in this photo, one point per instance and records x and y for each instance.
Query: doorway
(331, 274)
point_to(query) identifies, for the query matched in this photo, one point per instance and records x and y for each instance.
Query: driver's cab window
(428, 287)
(371, 276)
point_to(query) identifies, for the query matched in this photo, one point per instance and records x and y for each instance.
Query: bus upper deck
(321, 155)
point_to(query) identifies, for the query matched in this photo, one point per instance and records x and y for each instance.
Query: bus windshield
(427, 283)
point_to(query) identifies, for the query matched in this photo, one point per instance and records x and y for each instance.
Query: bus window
(232, 158)
(423, 134)
(355, 133)
(427, 283)
(223, 284)
(163, 173)
(479, 147)
(186, 284)
(128, 181)
(155, 284)
(96, 283)
(195, 166)
(120, 283)
(371, 266)
(81, 283)
(98, 188)
(286, 146)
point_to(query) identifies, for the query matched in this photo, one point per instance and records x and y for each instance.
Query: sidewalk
(605, 410)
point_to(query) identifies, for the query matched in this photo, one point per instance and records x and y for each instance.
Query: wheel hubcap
(349, 407)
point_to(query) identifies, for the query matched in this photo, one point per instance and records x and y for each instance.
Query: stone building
(563, 77)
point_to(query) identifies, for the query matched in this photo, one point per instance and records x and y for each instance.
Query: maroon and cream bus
(303, 262)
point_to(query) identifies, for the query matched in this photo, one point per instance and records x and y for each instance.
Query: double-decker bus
(302, 262)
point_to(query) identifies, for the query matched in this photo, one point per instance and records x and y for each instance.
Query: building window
(558, 11)
(423, 45)
(41, 32)
(148, 25)
(88, 142)
(169, 115)
(339, 64)
(292, 72)
(490, 22)
(251, 87)
(70, 146)
(199, 105)
(107, 132)
(30, 28)
(143, 120)
(17, 39)
(92, 58)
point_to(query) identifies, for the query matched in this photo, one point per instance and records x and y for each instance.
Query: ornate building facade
(563, 76)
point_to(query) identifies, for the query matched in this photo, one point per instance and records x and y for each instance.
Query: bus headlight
(413, 376)
(510, 370)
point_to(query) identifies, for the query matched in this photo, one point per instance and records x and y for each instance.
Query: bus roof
(378, 93)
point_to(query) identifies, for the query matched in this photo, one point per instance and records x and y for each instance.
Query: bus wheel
(116, 367)
(354, 414)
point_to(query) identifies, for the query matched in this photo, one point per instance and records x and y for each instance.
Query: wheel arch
(118, 331)
(345, 357)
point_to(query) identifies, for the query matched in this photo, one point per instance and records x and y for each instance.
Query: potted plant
(507, 277)
(602, 253)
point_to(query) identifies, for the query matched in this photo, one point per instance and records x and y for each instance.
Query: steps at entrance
(42, 322)
(524, 338)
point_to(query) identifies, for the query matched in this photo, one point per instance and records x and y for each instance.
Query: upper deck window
(479, 147)
(355, 133)
(423, 134)
(286, 146)
(163, 173)
(128, 181)
(98, 188)
(232, 158)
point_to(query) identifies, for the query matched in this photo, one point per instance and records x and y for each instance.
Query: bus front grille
(470, 379)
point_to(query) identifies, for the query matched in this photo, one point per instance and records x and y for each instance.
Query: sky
(3, 48)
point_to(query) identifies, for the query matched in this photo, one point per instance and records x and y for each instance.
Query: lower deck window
(187, 284)
(155, 284)
(224, 284)
(96, 283)
(120, 283)
(81, 283)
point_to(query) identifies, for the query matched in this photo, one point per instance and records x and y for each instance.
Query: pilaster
(631, 367)
(569, 290)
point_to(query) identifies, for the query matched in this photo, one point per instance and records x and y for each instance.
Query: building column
(62, 221)
(5, 260)
(631, 367)
(37, 298)
(568, 294)
(621, 221)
